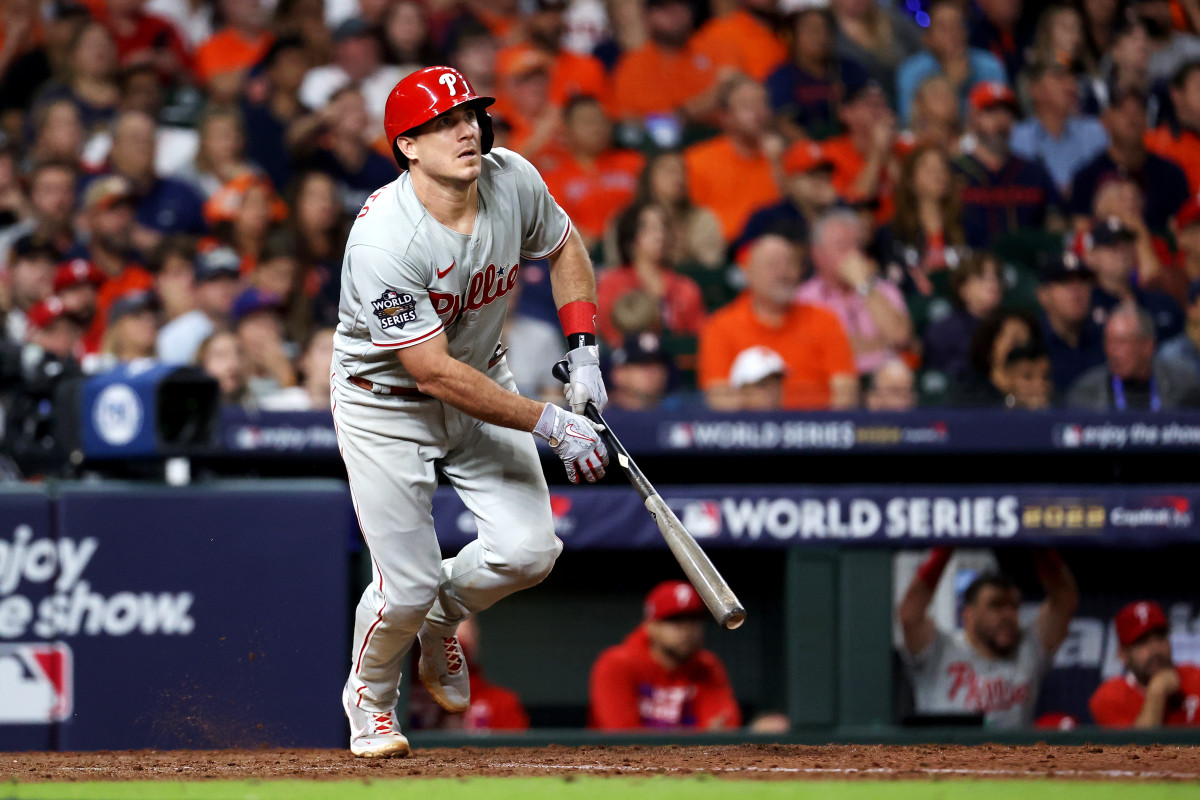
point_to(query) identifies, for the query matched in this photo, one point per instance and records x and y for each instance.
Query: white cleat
(373, 735)
(443, 670)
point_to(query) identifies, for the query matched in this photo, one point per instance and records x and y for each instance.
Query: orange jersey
(228, 51)
(576, 74)
(848, 164)
(742, 41)
(133, 278)
(811, 342)
(1118, 701)
(679, 75)
(1183, 149)
(593, 195)
(731, 185)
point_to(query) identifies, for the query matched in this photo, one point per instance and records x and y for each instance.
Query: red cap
(75, 272)
(1137, 619)
(673, 599)
(990, 94)
(44, 313)
(805, 157)
(1189, 214)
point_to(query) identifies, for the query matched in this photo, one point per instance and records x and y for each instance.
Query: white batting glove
(586, 383)
(575, 440)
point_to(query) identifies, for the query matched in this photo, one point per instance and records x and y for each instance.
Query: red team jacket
(1119, 700)
(629, 689)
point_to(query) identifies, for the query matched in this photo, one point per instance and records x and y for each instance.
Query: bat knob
(562, 372)
(735, 619)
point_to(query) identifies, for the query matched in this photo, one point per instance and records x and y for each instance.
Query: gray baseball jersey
(406, 277)
(950, 677)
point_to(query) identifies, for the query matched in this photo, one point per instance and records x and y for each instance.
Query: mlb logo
(702, 518)
(36, 683)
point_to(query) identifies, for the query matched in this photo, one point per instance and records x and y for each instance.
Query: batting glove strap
(574, 439)
(586, 381)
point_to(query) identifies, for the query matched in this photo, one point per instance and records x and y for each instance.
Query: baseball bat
(710, 585)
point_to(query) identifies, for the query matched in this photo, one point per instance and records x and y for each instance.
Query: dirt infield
(760, 762)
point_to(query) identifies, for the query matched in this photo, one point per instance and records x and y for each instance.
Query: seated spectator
(645, 239)
(1130, 378)
(54, 330)
(808, 195)
(90, 78)
(936, 117)
(946, 52)
(216, 288)
(77, 284)
(1056, 134)
(1184, 350)
(1026, 378)
(273, 117)
(221, 153)
(686, 86)
(493, 708)
(804, 91)
(312, 393)
(983, 384)
(1162, 182)
(1060, 38)
(976, 291)
(1001, 28)
(872, 311)
(50, 211)
(1154, 691)
(346, 154)
(162, 205)
(220, 356)
(140, 36)
(699, 241)
(1113, 258)
(927, 229)
(408, 38)
(572, 74)
(1002, 193)
(523, 102)
(1180, 142)
(733, 173)
(241, 214)
(757, 377)
(661, 676)
(890, 388)
(173, 263)
(225, 58)
(131, 332)
(591, 179)
(994, 667)
(258, 322)
(59, 134)
(1120, 198)
(639, 373)
(1186, 229)
(1074, 339)
(866, 157)
(319, 226)
(878, 36)
(810, 339)
(743, 39)
(357, 62)
(108, 223)
(28, 280)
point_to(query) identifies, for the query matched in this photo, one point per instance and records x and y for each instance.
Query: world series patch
(394, 310)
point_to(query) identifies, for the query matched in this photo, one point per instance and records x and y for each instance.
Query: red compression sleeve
(931, 571)
(578, 320)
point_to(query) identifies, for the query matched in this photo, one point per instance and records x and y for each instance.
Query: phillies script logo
(394, 310)
(485, 286)
(988, 694)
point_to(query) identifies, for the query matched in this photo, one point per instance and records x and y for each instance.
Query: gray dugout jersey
(949, 677)
(406, 277)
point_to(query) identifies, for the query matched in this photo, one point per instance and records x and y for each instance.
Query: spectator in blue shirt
(346, 154)
(805, 91)
(1075, 341)
(1112, 256)
(1162, 182)
(275, 119)
(163, 205)
(1002, 193)
(946, 52)
(1057, 134)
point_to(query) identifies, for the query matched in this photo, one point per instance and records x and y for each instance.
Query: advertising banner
(195, 617)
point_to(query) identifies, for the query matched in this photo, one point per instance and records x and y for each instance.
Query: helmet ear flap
(487, 132)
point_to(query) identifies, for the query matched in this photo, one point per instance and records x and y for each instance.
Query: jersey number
(449, 81)
(367, 205)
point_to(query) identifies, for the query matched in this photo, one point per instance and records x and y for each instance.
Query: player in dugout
(994, 666)
(661, 676)
(1154, 690)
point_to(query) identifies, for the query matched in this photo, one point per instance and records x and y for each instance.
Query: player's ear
(407, 146)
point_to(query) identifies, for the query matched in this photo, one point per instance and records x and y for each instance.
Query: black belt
(409, 391)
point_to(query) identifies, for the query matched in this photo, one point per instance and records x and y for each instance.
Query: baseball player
(420, 386)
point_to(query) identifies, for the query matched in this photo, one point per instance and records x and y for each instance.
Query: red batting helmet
(424, 95)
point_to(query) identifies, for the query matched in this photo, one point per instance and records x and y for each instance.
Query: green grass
(587, 788)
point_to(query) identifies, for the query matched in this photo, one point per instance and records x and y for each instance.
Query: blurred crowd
(796, 204)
